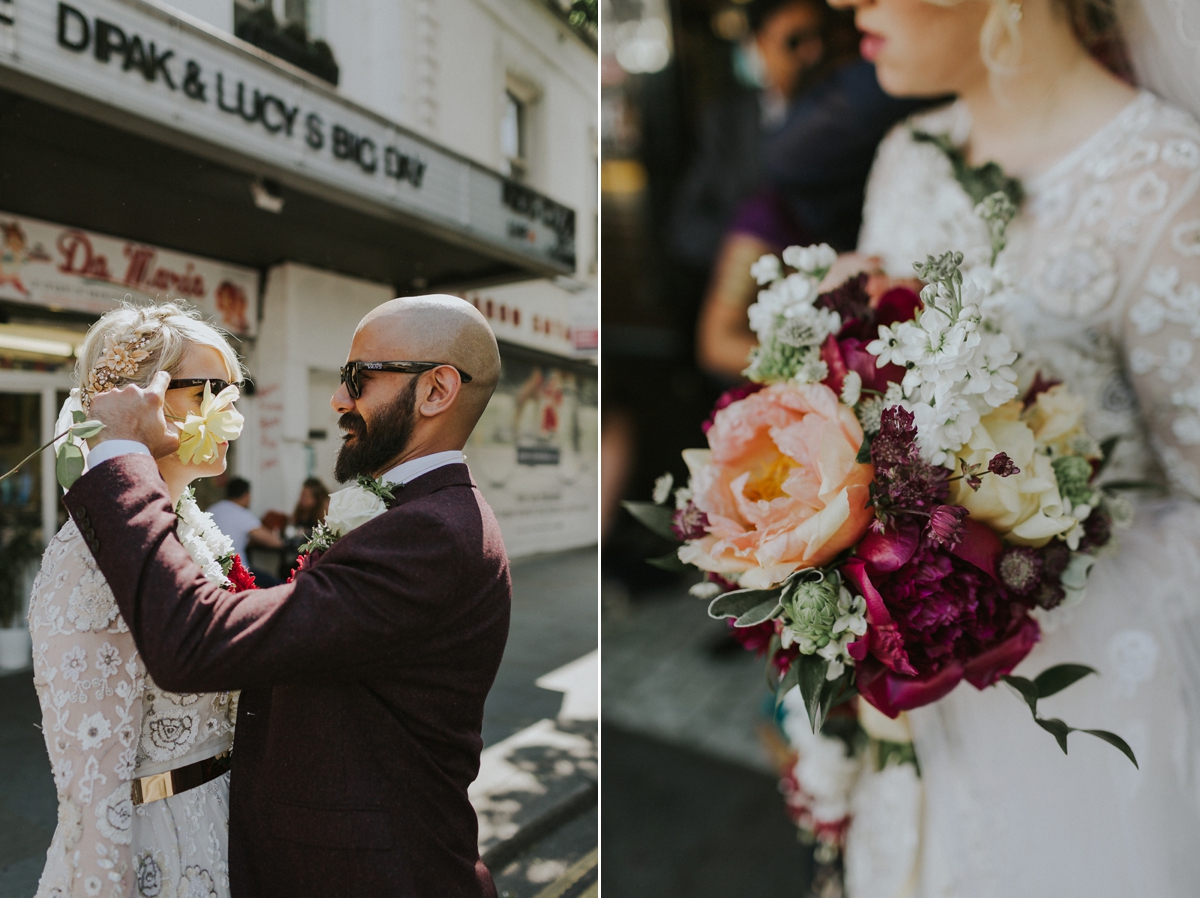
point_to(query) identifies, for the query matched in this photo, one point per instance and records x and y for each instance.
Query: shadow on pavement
(679, 824)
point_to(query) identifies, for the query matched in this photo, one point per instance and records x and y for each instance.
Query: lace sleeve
(1161, 324)
(89, 681)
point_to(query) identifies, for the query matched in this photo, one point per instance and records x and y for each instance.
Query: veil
(1163, 39)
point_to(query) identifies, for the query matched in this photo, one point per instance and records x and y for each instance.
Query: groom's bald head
(438, 328)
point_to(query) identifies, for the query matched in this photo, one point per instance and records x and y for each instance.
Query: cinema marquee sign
(138, 57)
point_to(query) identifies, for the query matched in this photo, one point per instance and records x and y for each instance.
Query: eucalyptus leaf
(747, 606)
(669, 562)
(68, 465)
(1056, 728)
(656, 517)
(78, 417)
(1148, 485)
(812, 684)
(1057, 678)
(86, 429)
(1106, 452)
(1028, 690)
(1116, 741)
(790, 680)
(864, 451)
(772, 647)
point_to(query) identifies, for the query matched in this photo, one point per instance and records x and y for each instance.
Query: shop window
(516, 127)
(285, 29)
(513, 140)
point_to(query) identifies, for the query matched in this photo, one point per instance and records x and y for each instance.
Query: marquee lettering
(109, 44)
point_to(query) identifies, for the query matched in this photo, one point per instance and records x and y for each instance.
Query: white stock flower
(662, 488)
(766, 269)
(851, 388)
(352, 507)
(809, 259)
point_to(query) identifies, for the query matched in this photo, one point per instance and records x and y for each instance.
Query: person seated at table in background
(234, 518)
(310, 510)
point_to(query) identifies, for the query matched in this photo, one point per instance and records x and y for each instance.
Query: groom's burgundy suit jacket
(363, 682)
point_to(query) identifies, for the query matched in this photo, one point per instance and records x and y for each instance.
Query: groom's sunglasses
(217, 385)
(352, 372)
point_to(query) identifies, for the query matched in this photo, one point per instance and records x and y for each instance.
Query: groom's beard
(376, 443)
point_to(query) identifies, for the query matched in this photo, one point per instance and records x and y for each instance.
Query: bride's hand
(847, 266)
(131, 413)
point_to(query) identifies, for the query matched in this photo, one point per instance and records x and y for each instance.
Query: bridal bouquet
(884, 510)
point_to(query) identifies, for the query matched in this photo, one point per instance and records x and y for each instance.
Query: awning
(121, 117)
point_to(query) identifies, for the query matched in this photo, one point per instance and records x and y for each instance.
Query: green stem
(35, 452)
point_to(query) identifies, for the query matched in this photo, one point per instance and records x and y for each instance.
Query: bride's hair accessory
(1015, 13)
(118, 363)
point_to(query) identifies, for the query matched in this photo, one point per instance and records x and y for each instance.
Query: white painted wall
(217, 13)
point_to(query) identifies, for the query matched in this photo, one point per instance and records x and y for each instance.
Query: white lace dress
(105, 723)
(1106, 252)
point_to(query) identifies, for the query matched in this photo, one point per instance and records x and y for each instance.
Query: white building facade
(456, 153)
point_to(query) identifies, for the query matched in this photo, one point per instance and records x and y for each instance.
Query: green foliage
(979, 181)
(1054, 680)
(1073, 473)
(68, 466)
(812, 604)
(748, 607)
(656, 517)
(382, 490)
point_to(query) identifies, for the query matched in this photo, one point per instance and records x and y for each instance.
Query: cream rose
(352, 507)
(1055, 417)
(1025, 508)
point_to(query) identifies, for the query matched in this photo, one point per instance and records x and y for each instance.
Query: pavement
(692, 807)
(536, 792)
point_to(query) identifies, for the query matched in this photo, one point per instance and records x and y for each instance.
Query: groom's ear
(438, 392)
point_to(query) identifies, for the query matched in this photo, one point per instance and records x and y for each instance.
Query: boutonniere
(352, 507)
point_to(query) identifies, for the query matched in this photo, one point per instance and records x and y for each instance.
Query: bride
(1105, 255)
(141, 773)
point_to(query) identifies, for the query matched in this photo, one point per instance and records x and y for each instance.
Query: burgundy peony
(937, 615)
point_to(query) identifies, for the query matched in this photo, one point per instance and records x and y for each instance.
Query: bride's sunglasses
(217, 385)
(352, 372)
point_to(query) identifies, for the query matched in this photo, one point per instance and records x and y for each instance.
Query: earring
(1015, 12)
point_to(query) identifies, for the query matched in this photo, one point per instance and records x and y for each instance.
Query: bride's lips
(870, 45)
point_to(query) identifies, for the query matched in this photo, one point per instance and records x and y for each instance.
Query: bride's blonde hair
(132, 343)
(1093, 21)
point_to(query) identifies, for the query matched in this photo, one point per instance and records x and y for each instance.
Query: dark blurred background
(728, 130)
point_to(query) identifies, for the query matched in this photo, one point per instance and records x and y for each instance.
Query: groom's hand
(131, 413)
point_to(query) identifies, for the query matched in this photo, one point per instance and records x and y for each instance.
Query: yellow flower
(1055, 417)
(201, 435)
(1025, 508)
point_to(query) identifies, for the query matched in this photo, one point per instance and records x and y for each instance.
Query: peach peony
(780, 485)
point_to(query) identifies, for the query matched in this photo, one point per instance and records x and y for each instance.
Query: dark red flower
(240, 577)
(304, 561)
(1038, 387)
(729, 397)
(935, 615)
(1002, 465)
(689, 523)
(946, 525)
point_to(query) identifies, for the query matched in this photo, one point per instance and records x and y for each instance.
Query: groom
(364, 680)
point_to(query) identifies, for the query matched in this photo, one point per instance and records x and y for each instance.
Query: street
(692, 807)
(535, 833)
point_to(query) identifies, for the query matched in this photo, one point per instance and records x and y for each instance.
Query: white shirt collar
(410, 470)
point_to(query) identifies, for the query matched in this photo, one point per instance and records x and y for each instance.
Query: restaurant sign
(140, 57)
(67, 268)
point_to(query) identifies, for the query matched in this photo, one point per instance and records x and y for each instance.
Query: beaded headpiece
(120, 360)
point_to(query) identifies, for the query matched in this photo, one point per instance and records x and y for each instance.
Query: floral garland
(209, 547)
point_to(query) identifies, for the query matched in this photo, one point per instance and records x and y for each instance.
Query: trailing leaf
(669, 562)
(656, 517)
(1054, 680)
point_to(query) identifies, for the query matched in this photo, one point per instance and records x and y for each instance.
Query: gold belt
(164, 785)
